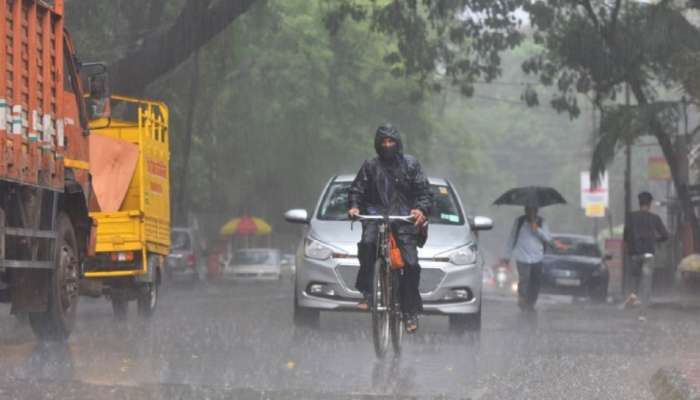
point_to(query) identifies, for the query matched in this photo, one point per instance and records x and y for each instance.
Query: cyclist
(392, 183)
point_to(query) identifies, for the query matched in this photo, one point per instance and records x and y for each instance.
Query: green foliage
(623, 125)
(455, 41)
(284, 103)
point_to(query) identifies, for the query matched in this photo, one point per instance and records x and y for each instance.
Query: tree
(439, 42)
(152, 51)
(595, 48)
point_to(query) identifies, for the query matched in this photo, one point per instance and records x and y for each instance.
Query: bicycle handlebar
(404, 218)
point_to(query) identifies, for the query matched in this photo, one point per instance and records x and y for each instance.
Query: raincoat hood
(387, 131)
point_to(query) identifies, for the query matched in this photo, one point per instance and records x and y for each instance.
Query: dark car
(576, 268)
(185, 255)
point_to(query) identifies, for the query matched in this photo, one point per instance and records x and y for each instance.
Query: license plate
(568, 282)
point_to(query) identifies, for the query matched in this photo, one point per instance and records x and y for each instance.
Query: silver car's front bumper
(437, 281)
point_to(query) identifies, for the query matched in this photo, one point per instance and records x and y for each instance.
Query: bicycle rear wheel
(396, 323)
(380, 309)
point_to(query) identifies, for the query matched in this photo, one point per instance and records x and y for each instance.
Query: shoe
(411, 321)
(631, 301)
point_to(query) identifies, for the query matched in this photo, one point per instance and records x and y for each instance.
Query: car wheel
(305, 317)
(599, 292)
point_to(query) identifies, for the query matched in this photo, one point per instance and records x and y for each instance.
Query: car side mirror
(297, 216)
(481, 223)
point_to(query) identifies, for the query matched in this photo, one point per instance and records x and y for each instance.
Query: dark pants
(529, 278)
(641, 271)
(406, 237)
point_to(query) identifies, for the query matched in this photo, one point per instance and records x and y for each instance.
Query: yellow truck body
(137, 227)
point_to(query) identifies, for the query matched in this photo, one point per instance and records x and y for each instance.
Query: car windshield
(180, 240)
(254, 257)
(334, 206)
(570, 246)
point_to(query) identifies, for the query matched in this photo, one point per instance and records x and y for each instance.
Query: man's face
(388, 143)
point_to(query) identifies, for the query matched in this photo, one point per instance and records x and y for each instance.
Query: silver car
(254, 264)
(327, 264)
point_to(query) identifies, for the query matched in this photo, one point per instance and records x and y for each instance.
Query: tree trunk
(182, 195)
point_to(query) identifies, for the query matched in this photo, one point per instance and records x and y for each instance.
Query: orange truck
(45, 229)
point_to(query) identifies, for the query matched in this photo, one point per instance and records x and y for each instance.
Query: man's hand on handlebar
(418, 216)
(353, 212)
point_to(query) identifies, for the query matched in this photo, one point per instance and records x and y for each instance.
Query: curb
(671, 384)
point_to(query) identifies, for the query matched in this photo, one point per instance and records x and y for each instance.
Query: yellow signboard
(658, 169)
(595, 210)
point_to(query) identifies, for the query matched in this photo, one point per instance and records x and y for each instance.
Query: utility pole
(628, 175)
(594, 132)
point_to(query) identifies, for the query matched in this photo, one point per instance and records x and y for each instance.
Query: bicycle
(387, 318)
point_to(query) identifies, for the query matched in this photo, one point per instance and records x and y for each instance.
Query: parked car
(184, 259)
(327, 263)
(254, 264)
(288, 264)
(577, 268)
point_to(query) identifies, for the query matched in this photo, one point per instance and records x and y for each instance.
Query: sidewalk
(680, 381)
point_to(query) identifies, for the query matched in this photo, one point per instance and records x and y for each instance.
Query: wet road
(238, 341)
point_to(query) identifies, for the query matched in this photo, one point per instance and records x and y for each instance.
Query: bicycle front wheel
(396, 323)
(380, 309)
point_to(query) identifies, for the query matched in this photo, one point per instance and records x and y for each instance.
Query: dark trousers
(406, 239)
(529, 279)
(641, 273)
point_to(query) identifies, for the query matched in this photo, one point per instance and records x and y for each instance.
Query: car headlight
(317, 250)
(464, 255)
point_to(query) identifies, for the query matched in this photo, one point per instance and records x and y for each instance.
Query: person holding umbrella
(528, 239)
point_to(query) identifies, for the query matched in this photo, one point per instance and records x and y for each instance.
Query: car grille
(430, 278)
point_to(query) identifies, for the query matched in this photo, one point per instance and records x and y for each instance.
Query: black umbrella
(531, 196)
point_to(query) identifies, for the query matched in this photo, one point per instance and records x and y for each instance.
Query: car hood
(571, 262)
(339, 235)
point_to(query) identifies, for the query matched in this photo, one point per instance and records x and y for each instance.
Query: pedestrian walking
(526, 244)
(643, 230)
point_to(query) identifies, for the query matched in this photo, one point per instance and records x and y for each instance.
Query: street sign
(658, 169)
(595, 210)
(596, 195)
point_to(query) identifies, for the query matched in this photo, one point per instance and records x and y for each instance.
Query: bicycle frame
(387, 319)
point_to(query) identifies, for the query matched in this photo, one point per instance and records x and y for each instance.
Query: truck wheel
(57, 322)
(148, 299)
(120, 308)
